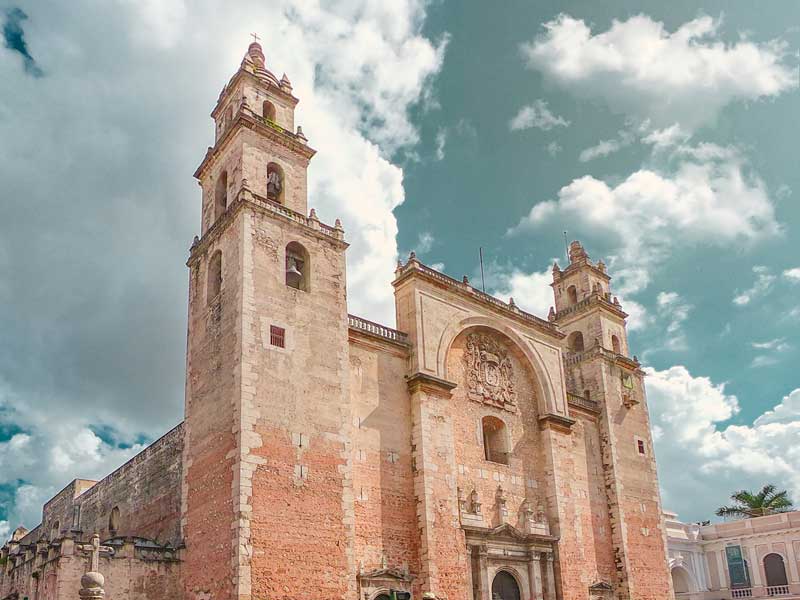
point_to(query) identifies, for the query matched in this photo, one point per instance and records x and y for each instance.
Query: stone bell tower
(267, 419)
(599, 368)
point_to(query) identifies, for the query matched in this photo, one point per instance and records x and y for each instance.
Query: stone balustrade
(377, 329)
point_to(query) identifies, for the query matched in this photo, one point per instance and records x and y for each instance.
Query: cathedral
(475, 452)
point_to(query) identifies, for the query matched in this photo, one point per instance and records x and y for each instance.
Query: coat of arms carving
(490, 376)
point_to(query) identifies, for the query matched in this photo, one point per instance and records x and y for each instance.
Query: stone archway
(505, 587)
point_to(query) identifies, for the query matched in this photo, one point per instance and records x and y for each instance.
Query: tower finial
(255, 38)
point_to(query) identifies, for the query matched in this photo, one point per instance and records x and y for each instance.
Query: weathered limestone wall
(297, 422)
(136, 570)
(213, 392)
(385, 509)
(147, 492)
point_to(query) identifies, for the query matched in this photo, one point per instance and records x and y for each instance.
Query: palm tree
(747, 504)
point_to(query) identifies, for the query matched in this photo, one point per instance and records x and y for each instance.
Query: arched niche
(681, 580)
(549, 396)
(775, 570)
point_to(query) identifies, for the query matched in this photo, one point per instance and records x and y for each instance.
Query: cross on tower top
(255, 38)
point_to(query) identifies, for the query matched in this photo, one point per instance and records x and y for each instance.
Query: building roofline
(414, 268)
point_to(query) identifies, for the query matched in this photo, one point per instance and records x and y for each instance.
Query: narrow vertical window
(113, 521)
(221, 195)
(268, 111)
(615, 345)
(495, 440)
(640, 446)
(214, 285)
(277, 336)
(275, 183)
(572, 295)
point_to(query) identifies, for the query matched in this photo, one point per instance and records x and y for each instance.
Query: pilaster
(443, 560)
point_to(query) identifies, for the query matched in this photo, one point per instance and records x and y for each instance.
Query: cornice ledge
(425, 382)
(558, 422)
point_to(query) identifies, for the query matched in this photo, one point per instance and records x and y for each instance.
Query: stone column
(550, 584)
(535, 575)
(755, 570)
(483, 567)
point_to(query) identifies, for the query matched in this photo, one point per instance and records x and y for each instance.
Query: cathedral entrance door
(504, 587)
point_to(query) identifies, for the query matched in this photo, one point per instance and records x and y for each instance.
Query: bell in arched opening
(296, 265)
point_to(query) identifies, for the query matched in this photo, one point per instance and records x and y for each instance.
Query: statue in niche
(490, 375)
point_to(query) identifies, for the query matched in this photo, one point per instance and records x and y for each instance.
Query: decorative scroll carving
(490, 376)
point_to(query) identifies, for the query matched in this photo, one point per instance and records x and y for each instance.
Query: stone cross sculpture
(92, 581)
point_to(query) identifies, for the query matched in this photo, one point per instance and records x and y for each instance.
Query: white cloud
(425, 242)
(771, 352)
(640, 68)
(553, 148)
(701, 460)
(602, 148)
(761, 287)
(792, 275)
(441, 140)
(703, 194)
(531, 291)
(787, 411)
(673, 310)
(624, 138)
(778, 344)
(666, 138)
(537, 115)
(357, 67)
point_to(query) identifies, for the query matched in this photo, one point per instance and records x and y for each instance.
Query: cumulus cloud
(788, 411)
(537, 115)
(640, 68)
(792, 275)
(531, 291)
(761, 287)
(697, 194)
(95, 306)
(701, 459)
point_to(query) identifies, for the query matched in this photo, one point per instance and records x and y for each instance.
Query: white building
(748, 558)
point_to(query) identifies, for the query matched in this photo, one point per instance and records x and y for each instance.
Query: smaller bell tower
(272, 165)
(599, 369)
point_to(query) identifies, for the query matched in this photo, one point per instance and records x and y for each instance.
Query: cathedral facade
(476, 452)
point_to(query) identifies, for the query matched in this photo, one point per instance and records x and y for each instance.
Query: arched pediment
(548, 370)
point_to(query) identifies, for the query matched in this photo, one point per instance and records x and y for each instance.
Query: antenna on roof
(483, 281)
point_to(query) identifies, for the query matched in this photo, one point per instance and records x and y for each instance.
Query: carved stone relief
(490, 375)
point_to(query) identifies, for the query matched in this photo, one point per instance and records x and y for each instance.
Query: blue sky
(663, 135)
